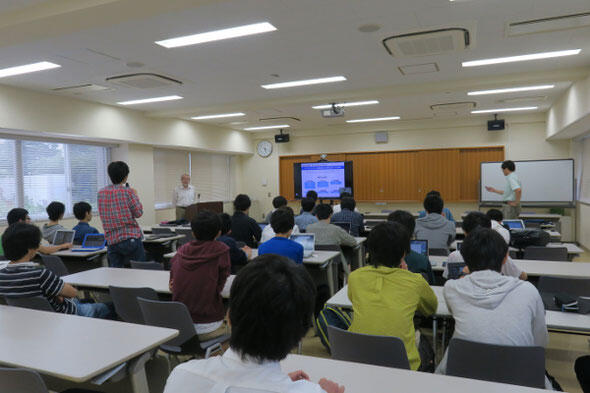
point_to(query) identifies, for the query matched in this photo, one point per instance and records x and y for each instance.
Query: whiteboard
(548, 181)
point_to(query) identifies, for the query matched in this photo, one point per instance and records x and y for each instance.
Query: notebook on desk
(92, 242)
(307, 240)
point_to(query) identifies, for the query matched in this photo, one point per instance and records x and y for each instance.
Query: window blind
(585, 171)
(169, 165)
(8, 180)
(212, 176)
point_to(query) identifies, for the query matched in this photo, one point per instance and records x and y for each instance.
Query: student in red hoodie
(198, 273)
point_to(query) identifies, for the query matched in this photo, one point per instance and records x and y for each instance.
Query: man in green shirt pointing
(512, 191)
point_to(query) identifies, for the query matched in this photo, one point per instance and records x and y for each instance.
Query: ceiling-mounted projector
(334, 111)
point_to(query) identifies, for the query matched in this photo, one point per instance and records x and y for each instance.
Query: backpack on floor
(331, 316)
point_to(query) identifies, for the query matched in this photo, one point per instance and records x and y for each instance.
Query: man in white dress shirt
(183, 196)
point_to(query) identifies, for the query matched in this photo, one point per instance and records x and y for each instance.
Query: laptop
(307, 240)
(419, 246)
(161, 233)
(514, 225)
(92, 242)
(63, 236)
(455, 270)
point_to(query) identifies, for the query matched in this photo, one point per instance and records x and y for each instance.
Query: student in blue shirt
(83, 212)
(282, 222)
(446, 213)
(306, 218)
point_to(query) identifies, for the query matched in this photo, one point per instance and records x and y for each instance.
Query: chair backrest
(32, 302)
(572, 286)
(55, 265)
(14, 380)
(546, 253)
(523, 366)
(364, 348)
(173, 315)
(126, 305)
(438, 252)
(151, 265)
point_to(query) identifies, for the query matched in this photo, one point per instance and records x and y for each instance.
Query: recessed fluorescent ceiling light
(306, 82)
(149, 100)
(205, 117)
(511, 59)
(524, 108)
(346, 104)
(28, 68)
(217, 35)
(510, 90)
(373, 119)
(266, 127)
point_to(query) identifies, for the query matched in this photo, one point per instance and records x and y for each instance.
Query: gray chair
(55, 265)
(146, 265)
(126, 305)
(524, 366)
(364, 348)
(546, 253)
(175, 315)
(572, 286)
(33, 302)
(188, 236)
(438, 252)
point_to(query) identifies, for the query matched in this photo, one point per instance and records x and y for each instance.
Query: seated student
(282, 222)
(270, 311)
(198, 273)
(446, 213)
(55, 211)
(83, 212)
(439, 231)
(497, 217)
(238, 257)
(471, 222)
(348, 215)
(417, 263)
(489, 307)
(306, 217)
(385, 295)
(277, 202)
(23, 278)
(327, 234)
(311, 194)
(268, 232)
(22, 215)
(338, 208)
(244, 228)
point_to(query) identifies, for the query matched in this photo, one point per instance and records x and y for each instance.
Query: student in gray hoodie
(489, 307)
(439, 231)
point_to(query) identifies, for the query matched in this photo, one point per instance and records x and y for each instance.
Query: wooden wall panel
(470, 160)
(439, 170)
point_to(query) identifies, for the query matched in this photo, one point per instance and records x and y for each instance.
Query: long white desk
(79, 254)
(365, 378)
(74, 348)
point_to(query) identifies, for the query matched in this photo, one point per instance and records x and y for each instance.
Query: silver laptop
(514, 225)
(307, 240)
(63, 236)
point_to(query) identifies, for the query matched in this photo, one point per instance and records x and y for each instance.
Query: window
(584, 192)
(33, 174)
(169, 165)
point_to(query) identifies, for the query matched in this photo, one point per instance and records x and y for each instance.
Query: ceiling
(103, 38)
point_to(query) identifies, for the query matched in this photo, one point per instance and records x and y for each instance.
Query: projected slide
(325, 178)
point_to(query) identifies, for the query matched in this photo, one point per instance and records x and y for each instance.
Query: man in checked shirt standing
(118, 207)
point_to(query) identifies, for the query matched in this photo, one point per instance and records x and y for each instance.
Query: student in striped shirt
(22, 278)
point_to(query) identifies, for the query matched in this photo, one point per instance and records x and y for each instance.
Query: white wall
(569, 117)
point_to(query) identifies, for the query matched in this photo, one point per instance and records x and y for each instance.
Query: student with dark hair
(313, 195)
(474, 221)
(348, 215)
(512, 192)
(489, 307)
(268, 232)
(282, 222)
(119, 207)
(446, 213)
(306, 217)
(327, 234)
(439, 231)
(385, 295)
(55, 212)
(238, 257)
(417, 263)
(271, 307)
(338, 207)
(198, 273)
(277, 202)
(497, 217)
(23, 278)
(83, 212)
(243, 227)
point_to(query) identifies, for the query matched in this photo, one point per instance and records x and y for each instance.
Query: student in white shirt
(471, 222)
(183, 196)
(268, 233)
(270, 311)
(496, 216)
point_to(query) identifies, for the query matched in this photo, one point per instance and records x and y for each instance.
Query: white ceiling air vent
(143, 81)
(563, 22)
(418, 68)
(428, 43)
(452, 109)
(81, 89)
(517, 100)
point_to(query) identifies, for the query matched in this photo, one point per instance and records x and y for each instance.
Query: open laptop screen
(307, 240)
(62, 237)
(514, 224)
(94, 240)
(419, 246)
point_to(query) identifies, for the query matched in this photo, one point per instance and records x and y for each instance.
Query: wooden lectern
(196, 208)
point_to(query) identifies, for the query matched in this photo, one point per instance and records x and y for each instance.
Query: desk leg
(139, 381)
(330, 277)
(434, 338)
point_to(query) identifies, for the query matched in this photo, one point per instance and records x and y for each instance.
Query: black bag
(582, 368)
(529, 237)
